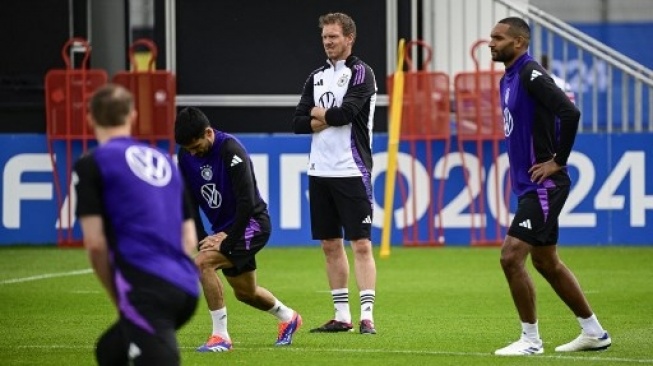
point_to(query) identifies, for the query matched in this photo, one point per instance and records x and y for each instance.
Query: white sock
(281, 311)
(591, 326)
(341, 303)
(367, 304)
(530, 331)
(219, 318)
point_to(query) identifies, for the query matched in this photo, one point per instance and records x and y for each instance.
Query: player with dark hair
(138, 231)
(220, 176)
(540, 124)
(337, 108)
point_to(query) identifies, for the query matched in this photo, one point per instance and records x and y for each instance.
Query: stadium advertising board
(611, 202)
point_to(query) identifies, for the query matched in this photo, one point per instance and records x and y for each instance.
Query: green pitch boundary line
(387, 351)
(46, 276)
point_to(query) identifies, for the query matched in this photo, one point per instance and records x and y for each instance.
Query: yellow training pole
(396, 107)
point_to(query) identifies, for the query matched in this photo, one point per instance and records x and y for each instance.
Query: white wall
(453, 26)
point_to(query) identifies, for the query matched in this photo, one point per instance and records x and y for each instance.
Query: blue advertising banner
(611, 202)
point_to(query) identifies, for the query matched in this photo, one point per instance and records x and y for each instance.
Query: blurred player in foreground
(138, 232)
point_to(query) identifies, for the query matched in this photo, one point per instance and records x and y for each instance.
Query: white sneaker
(585, 342)
(522, 347)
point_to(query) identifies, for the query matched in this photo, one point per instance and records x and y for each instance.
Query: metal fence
(613, 92)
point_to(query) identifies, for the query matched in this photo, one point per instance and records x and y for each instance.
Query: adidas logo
(535, 74)
(319, 82)
(236, 160)
(367, 220)
(526, 223)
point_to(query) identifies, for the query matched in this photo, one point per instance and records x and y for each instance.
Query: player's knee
(513, 254)
(362, 248)
(333, 248)
(544, 266)
(506, 261)
(204, 262)
(509, 260)
(199, 261)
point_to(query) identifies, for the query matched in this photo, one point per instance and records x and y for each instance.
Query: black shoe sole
(318, 330)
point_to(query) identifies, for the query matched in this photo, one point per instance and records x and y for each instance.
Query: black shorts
(151, 312)
(340, 203)
(536, 219)
(243, 253)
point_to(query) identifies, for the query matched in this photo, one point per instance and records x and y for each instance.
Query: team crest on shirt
(206, 172)
(343, 80)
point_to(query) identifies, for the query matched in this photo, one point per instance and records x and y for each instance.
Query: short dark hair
(110, 105)
(518, 27)
(190, 125)
(346, 22)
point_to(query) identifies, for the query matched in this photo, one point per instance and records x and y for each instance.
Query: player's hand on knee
(212, 242)
(208, 243)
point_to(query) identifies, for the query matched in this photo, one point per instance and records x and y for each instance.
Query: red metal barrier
(154, 96)
(425, 118)
(66, 95)
(479, 120)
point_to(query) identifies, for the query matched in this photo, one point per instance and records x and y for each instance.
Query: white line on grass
(593, 359)
(472, 354)
(46, 276)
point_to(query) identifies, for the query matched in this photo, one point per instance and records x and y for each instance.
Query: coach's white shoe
(585, 342)
(523, 347)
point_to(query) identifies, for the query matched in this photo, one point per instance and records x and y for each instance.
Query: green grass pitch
(434, 306)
